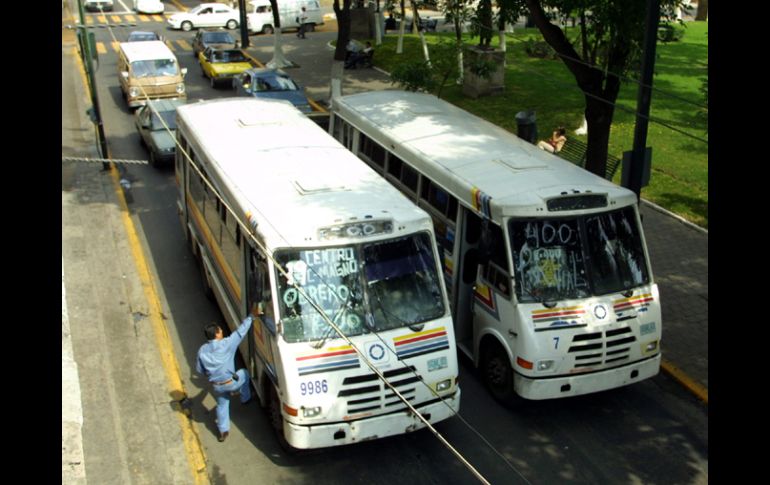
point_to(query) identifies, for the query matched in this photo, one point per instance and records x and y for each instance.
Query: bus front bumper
(326, 435)
(578, 384)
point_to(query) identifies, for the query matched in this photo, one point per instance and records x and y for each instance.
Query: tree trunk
(278, 60)
(401, 29)
(343, 28)
(703, 10)
(599, 117)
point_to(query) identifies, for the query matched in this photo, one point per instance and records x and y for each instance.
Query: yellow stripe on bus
(420, 334)
(560, 309)
(218, 256)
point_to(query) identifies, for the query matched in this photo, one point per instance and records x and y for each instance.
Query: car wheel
(267, 29)
(187, 26)
(232, 24)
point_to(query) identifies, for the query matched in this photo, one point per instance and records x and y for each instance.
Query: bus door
(263, 329)
(468, 239)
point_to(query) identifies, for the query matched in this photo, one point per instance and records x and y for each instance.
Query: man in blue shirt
(216, 360)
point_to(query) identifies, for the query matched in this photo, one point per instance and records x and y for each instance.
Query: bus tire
(276, 421)
(497, 373)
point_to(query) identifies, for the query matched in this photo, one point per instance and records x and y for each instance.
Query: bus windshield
(361, 288)
(578, 257)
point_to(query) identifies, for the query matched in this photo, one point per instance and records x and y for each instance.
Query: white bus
(324, 232)
(545, 264)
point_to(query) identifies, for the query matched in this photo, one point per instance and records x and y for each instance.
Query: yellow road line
(259, 64)
(700, 392)
(316, 106)
(190, 437)
(115, 46)
(185, 45)
(179, 6)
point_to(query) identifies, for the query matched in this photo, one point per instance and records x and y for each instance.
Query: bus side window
(494, 260)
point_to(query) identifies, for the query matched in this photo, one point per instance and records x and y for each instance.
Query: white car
(205, 15)
(148, 6)
(98, 5)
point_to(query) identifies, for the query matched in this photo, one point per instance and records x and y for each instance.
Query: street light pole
(95, 113)
(636, 170)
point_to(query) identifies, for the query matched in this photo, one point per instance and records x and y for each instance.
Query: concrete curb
(675, 216)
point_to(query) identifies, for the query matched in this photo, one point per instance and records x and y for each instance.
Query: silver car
(156, 123)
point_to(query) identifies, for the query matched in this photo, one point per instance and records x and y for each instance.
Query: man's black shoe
(223, 436)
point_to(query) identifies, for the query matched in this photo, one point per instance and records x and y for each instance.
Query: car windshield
(155, 67)
(218, 38)
(592, 255)
(361, 288)
(169, 117)
(142, 36)
(228, 56)
(276, 83)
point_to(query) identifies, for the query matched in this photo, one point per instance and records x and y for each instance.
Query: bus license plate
(436, 364)
(646, 328)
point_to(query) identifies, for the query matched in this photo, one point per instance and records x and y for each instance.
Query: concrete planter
(475, 85)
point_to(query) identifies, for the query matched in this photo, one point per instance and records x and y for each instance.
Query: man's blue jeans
(222, 395)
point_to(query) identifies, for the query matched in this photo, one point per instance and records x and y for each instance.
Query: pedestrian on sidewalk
(216, 360)
(302, 19)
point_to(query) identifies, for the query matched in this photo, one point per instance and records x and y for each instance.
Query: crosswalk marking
(184, 44)
(175, 46)
(130, 18)
(100, 48)
(144, 18)
(115, 46)
(116, 19)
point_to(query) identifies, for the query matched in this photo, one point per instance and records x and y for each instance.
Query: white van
(260, 15)
(149, 68)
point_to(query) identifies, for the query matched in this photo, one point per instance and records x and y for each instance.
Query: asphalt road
(652, 432)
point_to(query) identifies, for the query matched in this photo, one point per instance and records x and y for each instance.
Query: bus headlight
(311, 412)
(545, 365)
(650, 347)
(180, 88)
(444, 385)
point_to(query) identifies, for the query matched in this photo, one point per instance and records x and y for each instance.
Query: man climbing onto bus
(216, 360)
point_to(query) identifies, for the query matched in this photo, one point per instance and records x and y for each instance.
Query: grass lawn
(679, 178)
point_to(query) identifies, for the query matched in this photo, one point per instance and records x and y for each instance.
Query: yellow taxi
(221, 65)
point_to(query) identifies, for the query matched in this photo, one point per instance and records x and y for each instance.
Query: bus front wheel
(498, 374)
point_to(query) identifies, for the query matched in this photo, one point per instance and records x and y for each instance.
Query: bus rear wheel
(498, 374)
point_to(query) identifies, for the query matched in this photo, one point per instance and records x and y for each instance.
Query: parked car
(98, 5)
(222, 64)
(148, 6)
(271, 83)
(219, 39)
(159, 140)
(205, 15)
(143, 36)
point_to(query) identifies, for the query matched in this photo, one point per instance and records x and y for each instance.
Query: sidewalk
(678, 251)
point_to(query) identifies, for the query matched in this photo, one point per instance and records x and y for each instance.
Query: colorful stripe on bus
(638, 303)
(421, 343)
(559, 317)
(333, 359)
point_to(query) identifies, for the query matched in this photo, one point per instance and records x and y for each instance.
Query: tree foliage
(608, 44)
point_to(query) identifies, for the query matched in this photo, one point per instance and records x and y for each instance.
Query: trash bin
(526, 126)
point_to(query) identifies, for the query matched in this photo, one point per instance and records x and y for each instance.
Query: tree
(703, 10)
(278, 60)
(343, 37)
(609, 44)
